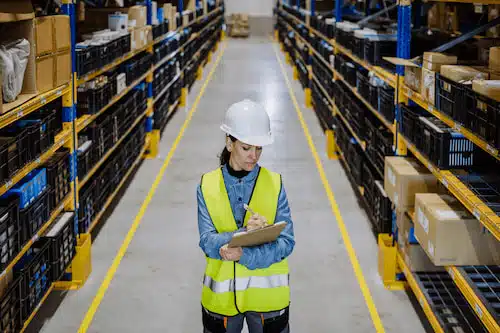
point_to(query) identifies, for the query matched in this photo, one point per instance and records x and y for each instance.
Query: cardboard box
(434, 60)
(140, 37)
(403, 178)
(462, 73)
(53, 70)
(429, 86)
(406, 228)
(62, 68)
(44, 35)
(417, 259)
(450, 235)
(45, 74)
(52, 34)
(62, 32)
(139, 15)
(413, 77)
(494, 59)
(490, 88)
(16, 10)
(493, 13)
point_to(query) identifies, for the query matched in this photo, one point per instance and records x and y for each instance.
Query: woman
(249, 283)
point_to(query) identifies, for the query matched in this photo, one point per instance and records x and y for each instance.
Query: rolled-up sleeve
(210, 240)
(265, 255)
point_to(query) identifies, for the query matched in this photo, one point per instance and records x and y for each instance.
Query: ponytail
(226, 155)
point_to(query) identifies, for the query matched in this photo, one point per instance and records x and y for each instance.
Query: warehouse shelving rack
(80, 268)
(391, 258)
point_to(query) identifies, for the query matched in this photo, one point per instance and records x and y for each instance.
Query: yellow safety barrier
(387, 262)
(80, 267)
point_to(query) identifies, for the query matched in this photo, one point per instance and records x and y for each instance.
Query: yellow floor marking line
(340, 222)
(123, 248)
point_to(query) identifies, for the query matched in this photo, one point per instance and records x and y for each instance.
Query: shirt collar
(247, 179)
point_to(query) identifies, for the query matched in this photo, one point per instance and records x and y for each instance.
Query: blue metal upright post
(153, 140)
(149, 6)
(298, 4)
(69, 109)
(338, 10)
(313, 7)
(181, 6)
(403, 51)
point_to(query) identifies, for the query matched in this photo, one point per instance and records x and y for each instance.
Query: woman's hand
(230, 253)
(256, 221)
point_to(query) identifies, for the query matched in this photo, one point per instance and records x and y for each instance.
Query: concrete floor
(157, 285)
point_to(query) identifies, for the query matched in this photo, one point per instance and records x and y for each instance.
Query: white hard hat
(248, 122)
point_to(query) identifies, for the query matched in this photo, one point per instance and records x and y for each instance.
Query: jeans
(267, 322)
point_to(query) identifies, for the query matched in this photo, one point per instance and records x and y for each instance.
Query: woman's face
(243, 156)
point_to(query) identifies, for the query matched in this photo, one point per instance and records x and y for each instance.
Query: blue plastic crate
(29, 188)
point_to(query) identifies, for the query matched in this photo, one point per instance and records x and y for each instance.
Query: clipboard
(259, 236)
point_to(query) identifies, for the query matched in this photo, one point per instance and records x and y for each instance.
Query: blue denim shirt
(239, 191)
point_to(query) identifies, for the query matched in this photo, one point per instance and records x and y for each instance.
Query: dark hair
(225, 155)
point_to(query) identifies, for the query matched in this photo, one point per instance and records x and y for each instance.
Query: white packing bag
(14, 60)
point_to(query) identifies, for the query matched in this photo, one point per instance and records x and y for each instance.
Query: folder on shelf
(257, 237)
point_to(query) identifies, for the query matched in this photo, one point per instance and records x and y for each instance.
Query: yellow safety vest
(228, 287)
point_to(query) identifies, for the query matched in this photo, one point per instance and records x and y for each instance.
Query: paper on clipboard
(257, 237)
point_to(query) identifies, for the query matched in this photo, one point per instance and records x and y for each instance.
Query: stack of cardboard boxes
(49, 61)
(434, 229)
(483, 80)
(238, 25)
(53, 57)
(141, 34)
(170, 13)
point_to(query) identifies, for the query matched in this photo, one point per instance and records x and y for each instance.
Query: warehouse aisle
(157, 285)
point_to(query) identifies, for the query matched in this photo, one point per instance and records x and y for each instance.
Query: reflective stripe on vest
(260, 290)
(244, 283)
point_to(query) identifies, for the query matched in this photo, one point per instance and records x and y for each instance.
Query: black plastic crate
(383, 147)
(363, 84)
(483, 116)
(445, 147)
(62, 241)
(450, 98)
(32, 218)
(86, 60)
(84, 156)
(358, 47)
(42, 126)
(9, 158)
(92, 99)
(382, 211)
(375, 50)
(10, 307)
(368, 183)
(386, 103)
(410, 126)
(58, 177)
(349, 73)
(355, 161)
(35, 268)
(87, 208)
(355, 114)
(10, 232)
(17, 147)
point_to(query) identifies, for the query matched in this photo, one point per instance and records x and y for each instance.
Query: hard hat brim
(260, 141)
